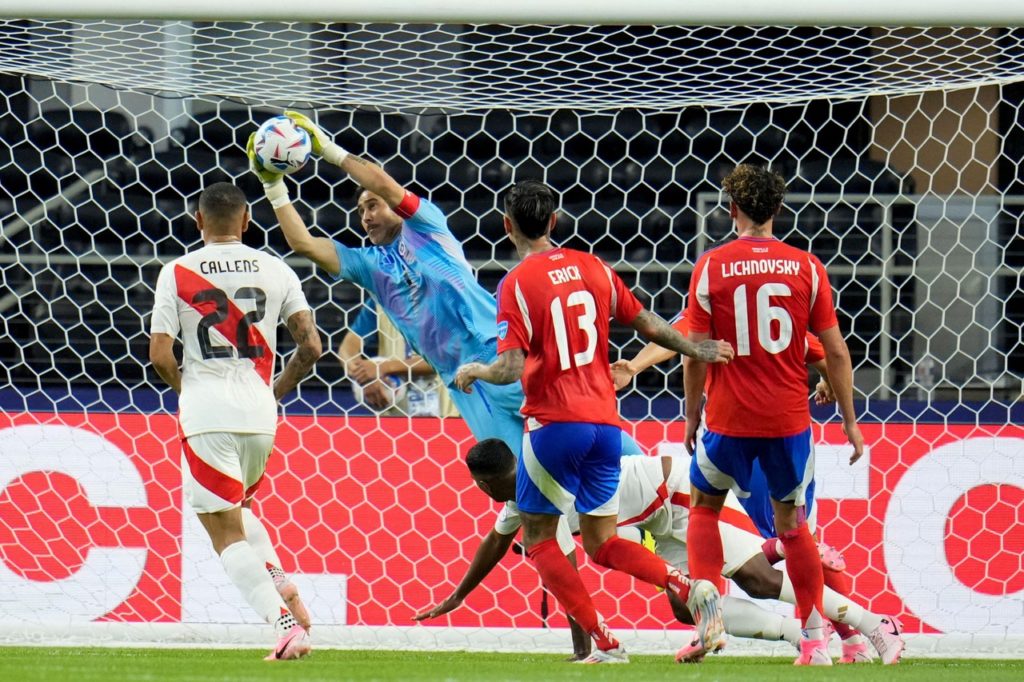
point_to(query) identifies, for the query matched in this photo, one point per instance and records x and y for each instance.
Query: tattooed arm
(658, 331)
(307, 352)
(505, 370)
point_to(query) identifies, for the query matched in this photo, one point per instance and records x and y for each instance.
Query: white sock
(248, 574)
(744, 618)
(258, 538)
(837, 607)
(849, 612)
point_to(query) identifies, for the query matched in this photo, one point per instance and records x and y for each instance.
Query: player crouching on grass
(227, 318)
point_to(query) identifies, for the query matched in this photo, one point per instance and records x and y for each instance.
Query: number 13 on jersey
(581, 311)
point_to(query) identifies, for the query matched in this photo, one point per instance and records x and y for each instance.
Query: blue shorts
(759, 504)
(784, 467)
(570, 464)
(492, 411)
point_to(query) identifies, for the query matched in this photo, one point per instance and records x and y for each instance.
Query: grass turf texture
(101, 664)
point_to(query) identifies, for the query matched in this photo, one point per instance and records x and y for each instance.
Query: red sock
(840, 582)
(564, 582)
(804, 568)
(770, 549)
(704, 546)
(639, 562)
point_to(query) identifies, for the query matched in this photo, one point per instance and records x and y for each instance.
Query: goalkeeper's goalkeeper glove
(323, 145)
(273, 183)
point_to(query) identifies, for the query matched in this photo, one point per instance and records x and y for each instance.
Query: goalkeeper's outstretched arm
(367, 174)
(320, 250)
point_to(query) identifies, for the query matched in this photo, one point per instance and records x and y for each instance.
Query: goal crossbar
(690, 13)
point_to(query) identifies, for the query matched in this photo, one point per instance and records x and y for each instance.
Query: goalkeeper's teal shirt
(425, 284)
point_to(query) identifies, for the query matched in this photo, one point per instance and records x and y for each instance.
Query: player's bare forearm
(839, 372)
(350, 348)
(507, 369)
(694, 375)
(320, 250)
(307, 352)
(823, 392)
(657, 330)
(410, 368)
(651, 355)
(492, 548)
(161, 355)
(374, 178)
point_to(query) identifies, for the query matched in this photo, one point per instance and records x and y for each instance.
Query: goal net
(902, 150)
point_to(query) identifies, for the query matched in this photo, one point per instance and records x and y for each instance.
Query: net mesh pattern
(901, 147)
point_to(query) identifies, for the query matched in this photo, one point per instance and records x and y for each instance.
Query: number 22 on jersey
(220, 312)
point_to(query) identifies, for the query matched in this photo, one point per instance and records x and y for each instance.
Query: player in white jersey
(654, 496)
(224, 301)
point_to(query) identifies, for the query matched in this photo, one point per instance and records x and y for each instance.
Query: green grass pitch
(25, 664)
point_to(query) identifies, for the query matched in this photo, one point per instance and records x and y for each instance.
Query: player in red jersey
(762, 295)
(758, 506)
(553, 312)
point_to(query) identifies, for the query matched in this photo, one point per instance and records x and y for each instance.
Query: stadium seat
(75, 131)
(851, 176)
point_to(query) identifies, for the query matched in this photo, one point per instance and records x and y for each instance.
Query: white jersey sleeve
(294, 300)
(165, 318)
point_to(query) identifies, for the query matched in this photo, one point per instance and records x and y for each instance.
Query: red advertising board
(932, 526)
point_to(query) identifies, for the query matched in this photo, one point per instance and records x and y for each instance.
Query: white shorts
(739, 546)
(221, 470)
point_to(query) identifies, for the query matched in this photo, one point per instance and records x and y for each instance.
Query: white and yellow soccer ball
(281, 146)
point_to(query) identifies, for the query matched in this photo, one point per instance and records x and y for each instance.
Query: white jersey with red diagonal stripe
(225, 301)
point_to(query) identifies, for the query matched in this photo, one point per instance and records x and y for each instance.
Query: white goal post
(899, 127)
(685, 12)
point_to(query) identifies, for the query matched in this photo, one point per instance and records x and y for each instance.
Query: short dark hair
(490, 458)
(758, 191)
(530, 204)
(221, 201)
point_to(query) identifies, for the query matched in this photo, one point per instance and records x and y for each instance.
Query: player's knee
(759, 579)
(224, 528)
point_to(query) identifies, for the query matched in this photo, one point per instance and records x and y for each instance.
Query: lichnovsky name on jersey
(761, 267)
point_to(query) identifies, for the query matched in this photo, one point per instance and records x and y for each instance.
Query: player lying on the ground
(758, 506)
(228, 403)
(646, 481)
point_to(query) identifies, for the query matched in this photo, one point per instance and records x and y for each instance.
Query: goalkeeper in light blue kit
(416, 272)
